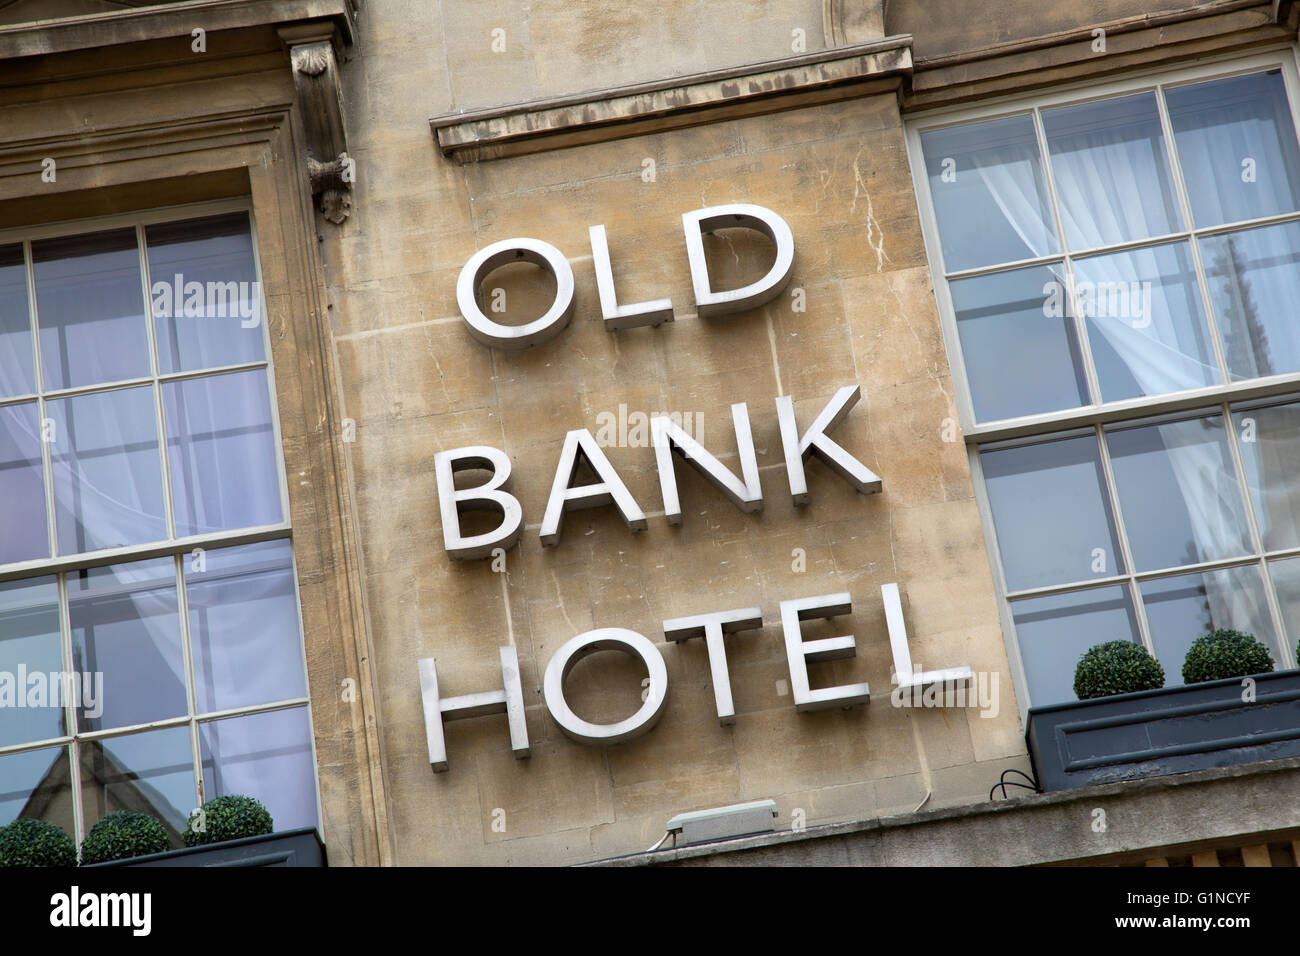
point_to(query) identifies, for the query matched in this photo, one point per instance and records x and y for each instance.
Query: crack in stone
(875, 235)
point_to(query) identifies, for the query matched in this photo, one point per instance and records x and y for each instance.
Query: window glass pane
(22, 492)
(16, 376)
(989, 194)
(1112, 171)
(1286, 582)
(1237, 147)
(1178, 492)
(221, 446)
(90, 309)
(1051, 513)
(1055, 631)
(1181, 609)
(267, 756)
(150, 772)
(30, 709)
(204, 292)
(107, 478)
(37, 785)
(1145, 322)
(1254, 282)
(1018, 343)
(1270, 450)
(126, 627)
(246, 642)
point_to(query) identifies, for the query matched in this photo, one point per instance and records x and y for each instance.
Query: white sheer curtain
(1106, 187)
(255, 654)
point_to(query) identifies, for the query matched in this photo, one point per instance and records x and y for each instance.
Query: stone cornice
(1202, 29)
(139, 24)
(636, 109)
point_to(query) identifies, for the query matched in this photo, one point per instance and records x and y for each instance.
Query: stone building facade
(377, 147)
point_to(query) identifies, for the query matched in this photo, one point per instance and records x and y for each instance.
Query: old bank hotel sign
(670, 443)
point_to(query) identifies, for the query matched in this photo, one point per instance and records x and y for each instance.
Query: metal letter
(531, 333)
(615, 639)
(609, 489)
(815, 442)
(799, 652)
(509, 700)
(486, 497)
(955, 676)
(621, 316)
(712, 627)
(709, 303)
(669, 437)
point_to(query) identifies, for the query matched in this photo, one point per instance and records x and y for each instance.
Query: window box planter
(1170, 730)
(288, 848)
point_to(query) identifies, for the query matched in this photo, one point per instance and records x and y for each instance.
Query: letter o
(614, 639)
(498, 254)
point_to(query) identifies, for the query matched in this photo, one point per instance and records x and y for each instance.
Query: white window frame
(1092, 417)
(178, 548)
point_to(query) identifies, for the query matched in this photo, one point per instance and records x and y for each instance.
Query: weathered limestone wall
(553, 47)
(943, 27)
(416, 383)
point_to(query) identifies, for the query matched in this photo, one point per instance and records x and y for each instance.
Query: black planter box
(1171, 730)
(287, 848)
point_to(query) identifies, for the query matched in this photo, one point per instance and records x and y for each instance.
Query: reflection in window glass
(989, 193)
(1018, 341)
(204, 293)
(1237, 147)
(1178, 493)
(22, 492)
(16, 377)
(37, 785)
(1182, 608)
(1112, 172)
(1145, 322)
(244, 631)
(107, 476)
(1286, 582)
(123, 661)
(29, 645)
(126, 626)
(1051, 512)
(221, 448)
(1254, 282)
(1270, 449)
(90, 309)
(151, 772)
(1055, 631)
(267, 756)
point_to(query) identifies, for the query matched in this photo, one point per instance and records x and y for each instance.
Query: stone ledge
(755, 88)
(1039, 829)
(139, 24)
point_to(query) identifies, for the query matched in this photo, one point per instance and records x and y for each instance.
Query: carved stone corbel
(320, 100)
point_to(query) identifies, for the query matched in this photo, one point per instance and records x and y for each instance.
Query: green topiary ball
(1116, 667)
(1222, 654)
(227, 818)
(36, 843)
(123, 834)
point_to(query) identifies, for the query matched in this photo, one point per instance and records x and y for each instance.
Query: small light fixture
(724, 823)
